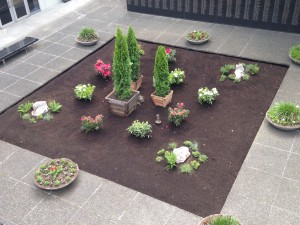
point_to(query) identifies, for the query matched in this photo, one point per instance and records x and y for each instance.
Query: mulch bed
(225, 130)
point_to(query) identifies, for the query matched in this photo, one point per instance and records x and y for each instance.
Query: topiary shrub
(161, 73)
(134, 54)
(121, 67)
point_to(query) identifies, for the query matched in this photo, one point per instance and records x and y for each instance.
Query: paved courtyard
(267, 189)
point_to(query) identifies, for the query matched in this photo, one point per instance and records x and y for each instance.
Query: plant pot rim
(282, 127)
(294, 60)
(63, 185)
(153, 94)
(208, 218)
(86, 43)
(115, 99)
(198, 42)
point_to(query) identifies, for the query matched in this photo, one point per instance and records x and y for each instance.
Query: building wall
(48, 4)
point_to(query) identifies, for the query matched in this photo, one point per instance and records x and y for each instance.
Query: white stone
(182, 154)
(239, 71)
(39, 108)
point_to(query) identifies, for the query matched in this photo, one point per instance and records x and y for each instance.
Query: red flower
(168, 50)
(53, 168)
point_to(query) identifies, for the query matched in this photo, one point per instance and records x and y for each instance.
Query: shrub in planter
(178, 114)
(84, 91)
(140, 129)
(134, 54)
(219, 219)
(89, 124)
(103, 69)
(171, 53)
(87, 36)
(197, 37)
(295, 53)
(206, 95)
(177, 76)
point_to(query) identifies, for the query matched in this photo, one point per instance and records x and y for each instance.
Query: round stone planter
(207, 220)
(86, 43)
(294, 60)
(198, 42)
(282, 127)
(64, 182)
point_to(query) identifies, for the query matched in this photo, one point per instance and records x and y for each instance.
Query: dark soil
(225, 130)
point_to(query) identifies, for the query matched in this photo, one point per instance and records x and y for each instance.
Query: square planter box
(162, 101)
(135, 85)
(122, 108)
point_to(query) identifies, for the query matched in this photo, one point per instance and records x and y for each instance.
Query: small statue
(158, 121)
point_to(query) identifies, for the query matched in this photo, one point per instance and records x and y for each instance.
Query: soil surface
(224, 131)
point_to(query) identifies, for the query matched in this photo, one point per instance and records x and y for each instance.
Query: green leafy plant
(206, 95)
(28, 117)
(170, 159)
(194, 146)
(25, 108)
(171, 53)
(197, 35)
(54, 106)
(46, 183)
(172, 145)
(89, 124)
(161, 73)
(158, 159)
(140, 129)
(161, 152)
(178, 114)
(47, 117)
(248, 69)
(187, 143)
(87, 34)
(57, 183)
(141, 50)
(121, 67)
(224, 220)
(186, 168)
(39, 179)
(225, 70)
(177, 76)
(196, 154)
(202, 158)
(84, 91)
(252, 68)
(134, 54)
(284, 113)
(295, 52)
(195, 164)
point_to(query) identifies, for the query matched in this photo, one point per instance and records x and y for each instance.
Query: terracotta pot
(162, 101)
(135, 85)
(86, 43)
(282, 127)
(122, 108)
(206, 220)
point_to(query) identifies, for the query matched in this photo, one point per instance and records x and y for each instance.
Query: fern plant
(54, 106)
(170, 159)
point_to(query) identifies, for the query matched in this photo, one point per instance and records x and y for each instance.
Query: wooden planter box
(135, 85)
(162, 101)
(122, 108)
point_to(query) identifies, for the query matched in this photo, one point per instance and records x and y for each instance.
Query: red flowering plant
(171, 54)
(103, 69)
(91, 124)
(178, 114)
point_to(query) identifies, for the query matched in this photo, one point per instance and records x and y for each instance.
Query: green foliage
(295, 52)
(196, 154)
(252, 68)
(225, 70)
(231, 76)
(68, 178)
(63, 161)
(205, 95)
(194, 146)
(195, 164)
(134, 54)
(87, 34)
(178, 114)
(54, 106)
(202, 158)
(121, 67)
(223, 78)
(177, 76)
(84, 91)
(158, 159)
(140, 129)
(224, 220)
(246, 77)
(284, 113)
(161, 73)
(141, 50)
(187, 143)
(28, 117)
(89, 124)
(186, 168)
(161, 152)
(237, 80)
(197, 35)
(73, 170)
(172, 145)
(44, 166)
(39, 179)
(25, 108)
(37, 173)
(71, 165)
(47, 117)
(46, 183)
(170, 159)
(57, 183)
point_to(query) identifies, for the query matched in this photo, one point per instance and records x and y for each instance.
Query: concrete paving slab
(286, 96)
(68, 40)
(59, 64)
(147, 35)
(296, 145)
(293, 167)
(291, 82)
(234, 44)
(55, 37)
(7, 99)
(5, 221)
(167, 38)
(57, 49)
(75, 54)
(7, 80)
(40, 59)
(280, 216)
(96, 25)
(6, 151)
(181, 217)
(22, 69)
(42, 75)
(6, 183)
(22, 88)
(42, 44)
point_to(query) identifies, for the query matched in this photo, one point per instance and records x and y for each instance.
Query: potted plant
(162, 95)
(56, 174)
(140, 129)
(284, 116)
(218, 219)
(87, 37)
(295, 54)
(134, 55)
(122, 100)
(197, 37)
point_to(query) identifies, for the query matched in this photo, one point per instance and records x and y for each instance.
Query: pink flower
(168, 50)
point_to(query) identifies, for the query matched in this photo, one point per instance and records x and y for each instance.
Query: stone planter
(198, 42)
(122, 108)
(207, 220)
(135, 85)
(162, 101)
(282, 127)
(86, 43)
(294, 60)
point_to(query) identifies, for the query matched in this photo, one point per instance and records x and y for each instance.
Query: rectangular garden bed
(224, 131)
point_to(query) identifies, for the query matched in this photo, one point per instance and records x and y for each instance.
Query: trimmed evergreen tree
(134, 54)
(161, 73)
(121, 67)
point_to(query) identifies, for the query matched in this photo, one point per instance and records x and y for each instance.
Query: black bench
(17, 47)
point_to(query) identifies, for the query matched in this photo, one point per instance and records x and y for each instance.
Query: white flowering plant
(177, 76)
(205, 95)
(84, 91)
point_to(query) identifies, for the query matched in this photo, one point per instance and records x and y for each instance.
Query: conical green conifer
(134, 54)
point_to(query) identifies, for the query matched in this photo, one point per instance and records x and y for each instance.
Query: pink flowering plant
(171, 54)
(178, 114)
(91, 124)
(103, 69)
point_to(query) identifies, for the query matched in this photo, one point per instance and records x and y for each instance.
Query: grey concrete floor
(267, 189)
